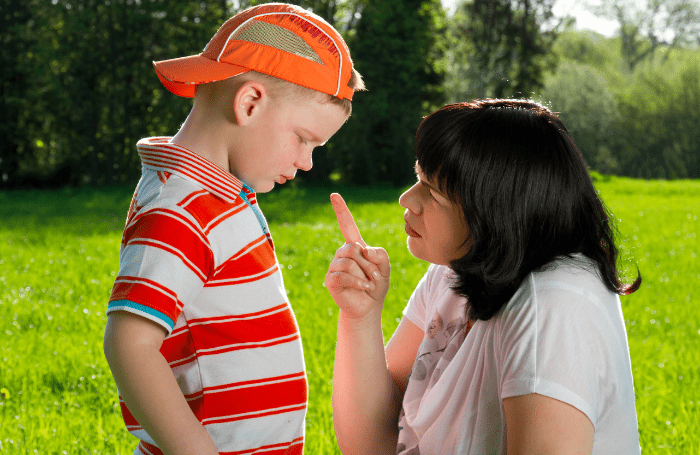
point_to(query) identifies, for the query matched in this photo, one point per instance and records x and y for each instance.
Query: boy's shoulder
(166, 194)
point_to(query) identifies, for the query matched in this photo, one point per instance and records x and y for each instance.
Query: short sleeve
(417, 308)
(555, 341)
(164, 263)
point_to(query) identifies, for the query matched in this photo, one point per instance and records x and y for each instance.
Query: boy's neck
(203, 135)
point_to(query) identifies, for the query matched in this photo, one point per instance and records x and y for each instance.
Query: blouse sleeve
(559, 340)
(418, 305)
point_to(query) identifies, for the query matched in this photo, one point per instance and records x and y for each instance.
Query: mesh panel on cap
(278, 37)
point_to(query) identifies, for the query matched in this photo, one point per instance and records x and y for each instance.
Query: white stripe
(221, 182)
(200, 175)
(166, 149)
(184, 257)
(223, 215)
(250, 248)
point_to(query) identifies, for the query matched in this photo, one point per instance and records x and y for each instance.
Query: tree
(395, 50)
(647, 25)
(502, 47)
(580, 95)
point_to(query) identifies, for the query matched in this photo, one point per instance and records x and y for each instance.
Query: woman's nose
(409, 201)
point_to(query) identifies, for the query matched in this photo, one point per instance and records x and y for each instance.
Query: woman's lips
(409, 230)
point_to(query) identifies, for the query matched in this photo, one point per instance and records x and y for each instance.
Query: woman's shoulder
(564, 283)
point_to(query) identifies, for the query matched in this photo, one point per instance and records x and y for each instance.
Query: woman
(514, 341)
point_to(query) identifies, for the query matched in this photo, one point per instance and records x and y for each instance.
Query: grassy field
(59, 255)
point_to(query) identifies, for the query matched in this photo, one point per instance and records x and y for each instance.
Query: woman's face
(436, 228)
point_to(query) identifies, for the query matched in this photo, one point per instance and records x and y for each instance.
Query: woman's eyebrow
(429, 186)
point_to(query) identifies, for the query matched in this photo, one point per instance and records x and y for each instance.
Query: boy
(200, 337)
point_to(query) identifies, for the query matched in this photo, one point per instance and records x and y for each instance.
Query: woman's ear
(249, 101)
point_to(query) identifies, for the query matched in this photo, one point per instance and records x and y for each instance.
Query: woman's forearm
(366, 401)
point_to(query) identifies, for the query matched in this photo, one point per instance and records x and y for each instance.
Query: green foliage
(589, 112)
(500, 48)
(59, 256)
(394, 50)
(639, 124)
(661, 138)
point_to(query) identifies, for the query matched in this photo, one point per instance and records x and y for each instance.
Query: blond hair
(279, 88)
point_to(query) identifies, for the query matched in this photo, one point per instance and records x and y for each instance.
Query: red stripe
(191, 196)
(210, 211)
(225, 318)
(231, 333)
(255, 401)
(149, 448)
(173, 159)
(259, 330)
(164, 145)
(167, 231)
(129, 419)
(295, 447)
(154, 296)
(252, 382)
(254, 261)
(178, 348)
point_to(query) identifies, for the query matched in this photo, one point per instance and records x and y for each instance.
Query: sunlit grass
(59, 255)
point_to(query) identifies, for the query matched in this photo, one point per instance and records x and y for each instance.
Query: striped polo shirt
(197, 258)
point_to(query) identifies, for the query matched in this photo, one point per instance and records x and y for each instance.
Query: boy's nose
(304, 161)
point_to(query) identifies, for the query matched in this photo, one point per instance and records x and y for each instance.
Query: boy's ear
(249, 101)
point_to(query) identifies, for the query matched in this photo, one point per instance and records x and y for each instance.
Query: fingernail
(375, 275)
(365, 285)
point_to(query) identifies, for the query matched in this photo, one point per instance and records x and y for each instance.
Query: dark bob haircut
(525, 193)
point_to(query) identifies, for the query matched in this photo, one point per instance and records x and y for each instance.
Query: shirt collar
(158, 154)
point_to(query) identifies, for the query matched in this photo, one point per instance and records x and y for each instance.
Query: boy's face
(280, 140)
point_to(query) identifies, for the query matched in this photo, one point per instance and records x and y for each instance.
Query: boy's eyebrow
(313, 137)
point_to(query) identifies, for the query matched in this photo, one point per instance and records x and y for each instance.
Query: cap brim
(181, 75)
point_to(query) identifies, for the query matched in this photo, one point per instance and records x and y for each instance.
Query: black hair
(525, 192)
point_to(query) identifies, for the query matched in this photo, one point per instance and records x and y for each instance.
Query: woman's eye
(302, 140)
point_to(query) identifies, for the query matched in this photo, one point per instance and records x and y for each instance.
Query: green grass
(59, 255)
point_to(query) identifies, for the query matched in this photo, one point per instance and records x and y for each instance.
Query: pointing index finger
(351, 233)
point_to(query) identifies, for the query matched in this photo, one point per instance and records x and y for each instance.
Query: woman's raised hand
(358, 276)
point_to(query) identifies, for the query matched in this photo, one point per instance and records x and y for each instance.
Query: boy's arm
(149, 389)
